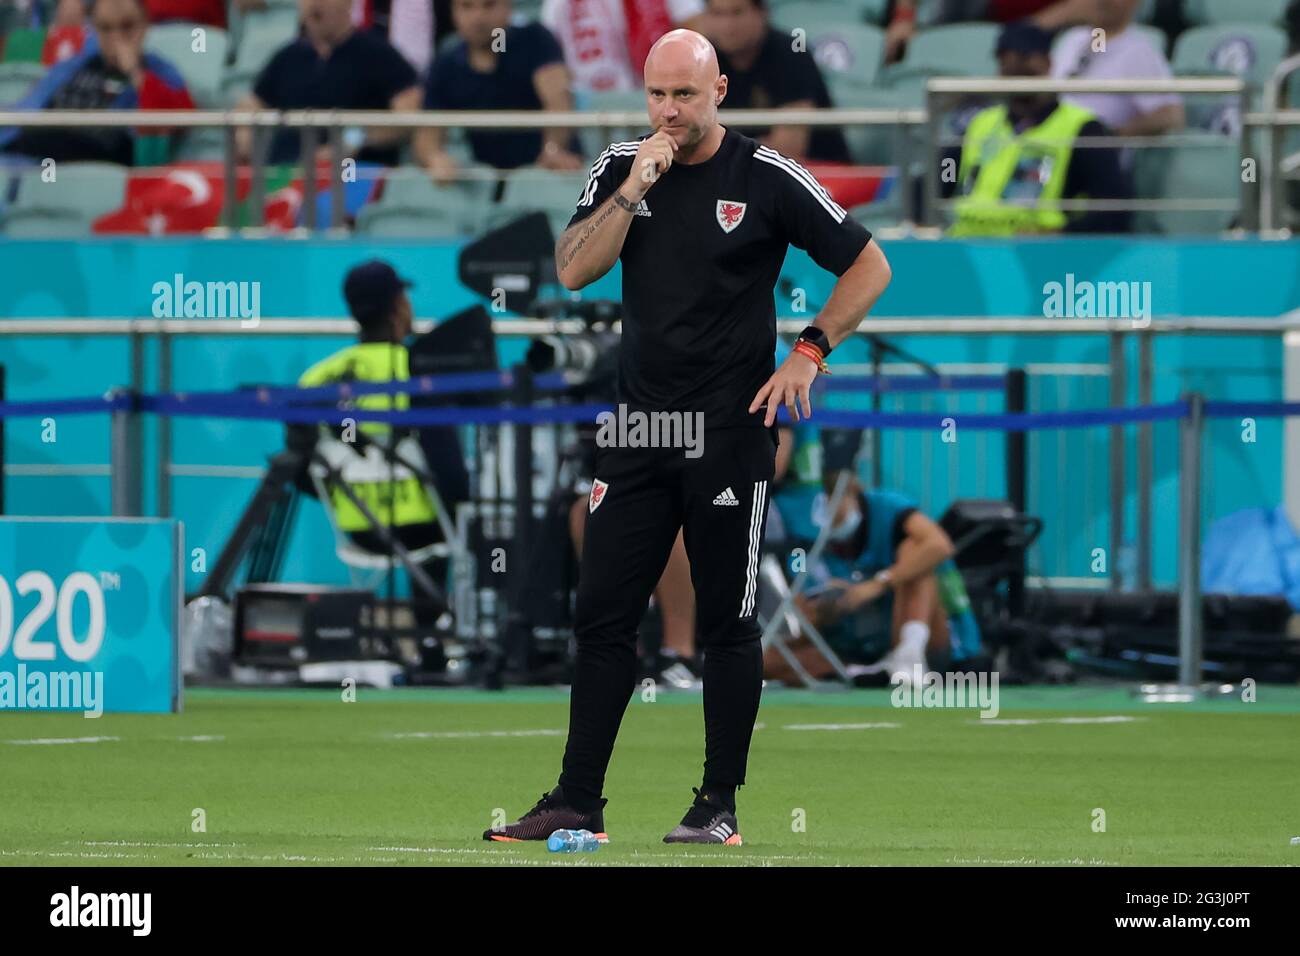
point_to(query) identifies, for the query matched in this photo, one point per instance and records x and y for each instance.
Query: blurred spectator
(1049, 14)
(409, 25)
(885, 594)
(113, 72)
(1128, 55)
(496, 66)
(764, 72)
(66, 36)
(1052, 15)
(605, 42)
(901, 27)
(69, 12)
(1018, 159)
(442, 28)
(211, 13)
(334, 66)
(378, 302)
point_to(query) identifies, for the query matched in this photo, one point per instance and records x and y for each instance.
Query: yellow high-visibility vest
(998, 165)
(393, 493)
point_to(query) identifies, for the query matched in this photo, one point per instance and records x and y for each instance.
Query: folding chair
(337, 464)
(784, 621)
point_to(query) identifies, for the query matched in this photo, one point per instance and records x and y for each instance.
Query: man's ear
(720, 91)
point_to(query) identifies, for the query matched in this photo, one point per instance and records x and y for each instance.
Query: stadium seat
(1159, 38)
(595, 138)
(413, 206)
(527, 11)
(262, 33)
(68, 206)
(1248, 50)
(1209, 169)
(201, 145)
(852, 11)
(849, 52)
(531, 189)
(813, 17)
(961, 49)
(24, 46)
(1234, 11)
(870, 145)
(234, 87)
(237, 18)
(202, 71)
(883, 214)
(16, 79)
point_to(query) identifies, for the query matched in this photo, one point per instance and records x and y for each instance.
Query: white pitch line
(437, 849)
(63, 740)
(1028, 861)
(281, 858)
(515, 856)
(131, 843)
(884, 725)
(458, 734)
(198, 738)
(82, 855)
(493, 855)
(1027, 721)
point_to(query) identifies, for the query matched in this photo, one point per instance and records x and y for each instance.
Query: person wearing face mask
(886, 594)
(1021, 158)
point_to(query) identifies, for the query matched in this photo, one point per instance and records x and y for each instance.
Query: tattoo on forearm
(625, 203)
(571, 244)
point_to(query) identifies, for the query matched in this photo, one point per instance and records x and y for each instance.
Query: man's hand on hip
(789, 382)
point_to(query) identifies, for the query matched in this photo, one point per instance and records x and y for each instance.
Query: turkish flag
(185, 198)
(62, 43)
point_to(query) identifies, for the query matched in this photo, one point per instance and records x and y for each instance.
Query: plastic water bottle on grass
(572, 841)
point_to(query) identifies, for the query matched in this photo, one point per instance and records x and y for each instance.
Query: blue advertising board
(90, 614)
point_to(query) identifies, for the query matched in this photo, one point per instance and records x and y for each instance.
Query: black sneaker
(706, 822)
(551, 814)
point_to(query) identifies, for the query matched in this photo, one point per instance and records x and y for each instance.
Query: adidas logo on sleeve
(727, 497)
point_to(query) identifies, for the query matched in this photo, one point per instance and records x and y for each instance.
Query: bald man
(701, 218)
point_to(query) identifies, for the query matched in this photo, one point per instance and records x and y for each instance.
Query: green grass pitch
(409, 777)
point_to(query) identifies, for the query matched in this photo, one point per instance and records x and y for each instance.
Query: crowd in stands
(558, 55)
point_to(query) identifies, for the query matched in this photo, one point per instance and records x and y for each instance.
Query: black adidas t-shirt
(700, 263)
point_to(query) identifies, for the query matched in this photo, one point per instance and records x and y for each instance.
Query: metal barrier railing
(261, 122)
(1270, 193)
(1118, 331)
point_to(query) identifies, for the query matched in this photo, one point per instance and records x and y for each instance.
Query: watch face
(817, 337)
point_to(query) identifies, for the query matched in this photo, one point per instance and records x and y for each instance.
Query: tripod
(262, 529)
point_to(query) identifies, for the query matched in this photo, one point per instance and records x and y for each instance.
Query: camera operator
(377, 300)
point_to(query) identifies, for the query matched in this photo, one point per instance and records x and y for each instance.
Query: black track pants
(641, 498)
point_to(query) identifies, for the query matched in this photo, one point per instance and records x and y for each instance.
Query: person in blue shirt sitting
(885, 593)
